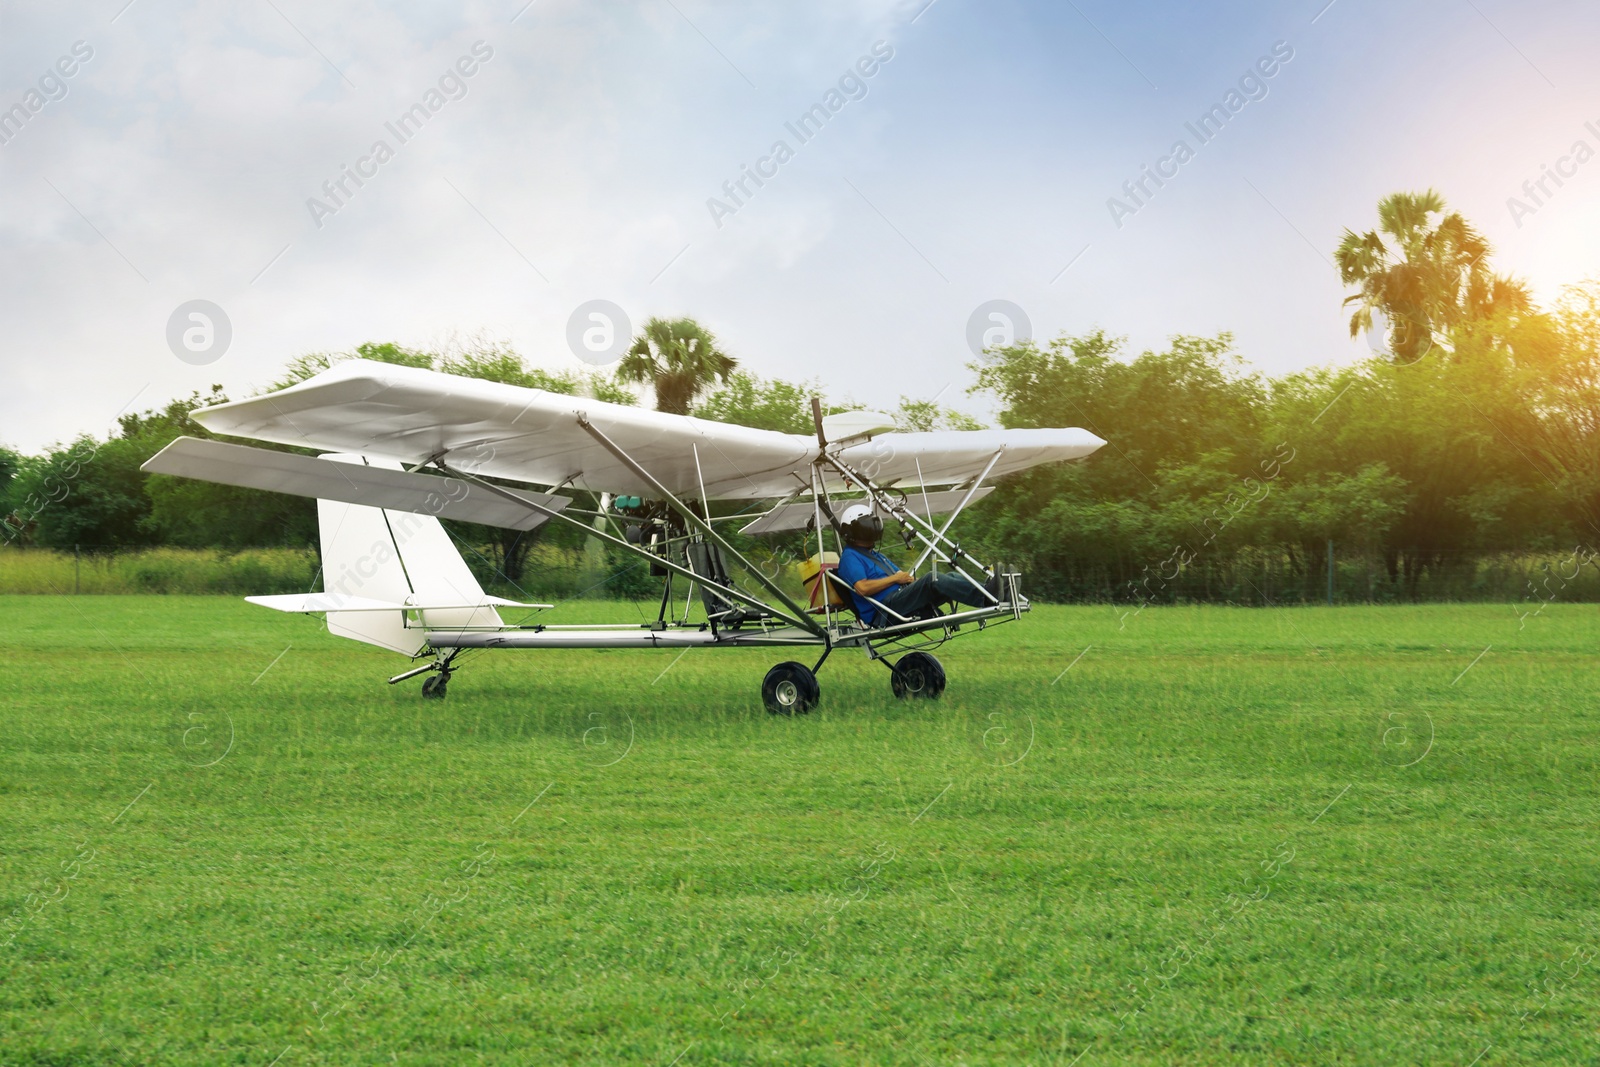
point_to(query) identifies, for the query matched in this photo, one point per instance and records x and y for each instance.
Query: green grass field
(1217, 836)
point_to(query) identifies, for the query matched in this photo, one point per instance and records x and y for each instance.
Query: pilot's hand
(902, 578)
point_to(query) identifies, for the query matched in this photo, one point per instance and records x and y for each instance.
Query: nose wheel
(790, 689)
(917, 674)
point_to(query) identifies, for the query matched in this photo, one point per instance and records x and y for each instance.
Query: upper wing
(529, 435)
(505, 431)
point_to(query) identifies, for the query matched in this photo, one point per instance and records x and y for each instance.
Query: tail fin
(399, 557)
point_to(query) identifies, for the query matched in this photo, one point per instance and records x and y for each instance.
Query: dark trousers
(928, 591)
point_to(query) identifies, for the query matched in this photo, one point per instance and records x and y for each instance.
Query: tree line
(1469, 435)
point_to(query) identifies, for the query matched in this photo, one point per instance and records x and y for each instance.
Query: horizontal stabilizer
(797, 516)
(376, 487)
(312, 603)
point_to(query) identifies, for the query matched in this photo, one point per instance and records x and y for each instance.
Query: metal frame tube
(879, 498)
(976, 482)
(822, 551)
(880, 605)
(798, 614)
(927, 507)
(620, 543)
(905, 514)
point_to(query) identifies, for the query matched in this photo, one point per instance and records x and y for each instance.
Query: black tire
(434, 687)
(917, 674)
(790, 689)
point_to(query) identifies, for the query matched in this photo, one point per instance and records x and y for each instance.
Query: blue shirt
(858, 563)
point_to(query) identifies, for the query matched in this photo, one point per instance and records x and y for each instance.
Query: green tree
(88, 493)
(1181, 424)
(1429, 276)
(10, 463)
(1439, 427)
(748, 400)
(1564, 395)
(314, 363)
(201, 514)
(1457, 430)
(1160, 409)
(679, 358)
(10, 466)
(499, 363)
(923, 415)
(610, 389)
(93, 493)
(1354, 511)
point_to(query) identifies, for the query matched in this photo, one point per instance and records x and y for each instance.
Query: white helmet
(860, 523)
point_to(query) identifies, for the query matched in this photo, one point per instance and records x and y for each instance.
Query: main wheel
(434, 687)
(790, 689)
(917, 674)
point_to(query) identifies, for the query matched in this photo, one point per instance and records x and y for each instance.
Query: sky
(585, 159)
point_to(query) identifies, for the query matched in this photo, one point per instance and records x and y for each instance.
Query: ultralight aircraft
(404, 447)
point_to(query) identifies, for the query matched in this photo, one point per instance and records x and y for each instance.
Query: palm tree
(680, 358)
(1431, 278)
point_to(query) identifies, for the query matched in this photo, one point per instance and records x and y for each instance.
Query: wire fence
(1266, 577)
(548, 573)
(89, 570)
(1254, 577)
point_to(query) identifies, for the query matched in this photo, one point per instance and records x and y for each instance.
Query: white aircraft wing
(529, 435)
(373, 487)
(946, 457)
(505, 431)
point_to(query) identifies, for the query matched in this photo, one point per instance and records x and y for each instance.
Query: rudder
(400, 557)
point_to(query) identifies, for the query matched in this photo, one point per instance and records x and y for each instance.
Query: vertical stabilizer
(400, 557)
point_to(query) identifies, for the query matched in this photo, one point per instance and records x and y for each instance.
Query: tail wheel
(434, 687)
(790, 689)
(917, 674)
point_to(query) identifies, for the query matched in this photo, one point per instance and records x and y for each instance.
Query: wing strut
(906, 515)
(959, 508)
(796, 611)
(802, 622)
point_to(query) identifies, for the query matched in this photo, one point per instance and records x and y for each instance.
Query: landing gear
(917, 674)
(790, 689)
(434, 687)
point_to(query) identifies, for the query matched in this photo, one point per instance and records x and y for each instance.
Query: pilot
(871, 574)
